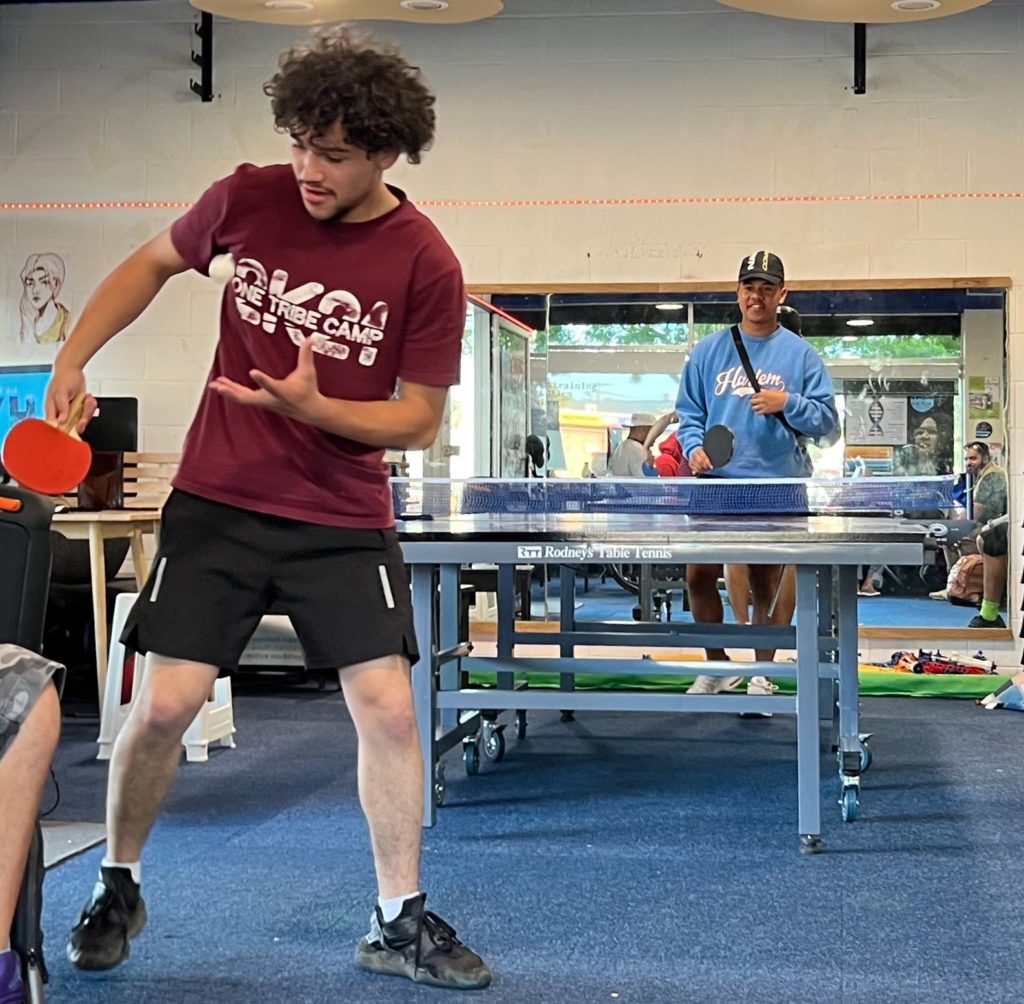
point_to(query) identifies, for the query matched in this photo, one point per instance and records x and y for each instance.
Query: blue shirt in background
(714, 390)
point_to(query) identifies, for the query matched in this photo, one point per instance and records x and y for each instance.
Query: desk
(96, 527)
(826, 551)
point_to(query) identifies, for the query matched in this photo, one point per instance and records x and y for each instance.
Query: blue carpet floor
(633, 859)
(609, 601)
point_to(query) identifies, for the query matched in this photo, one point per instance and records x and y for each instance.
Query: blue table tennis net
(911, 497)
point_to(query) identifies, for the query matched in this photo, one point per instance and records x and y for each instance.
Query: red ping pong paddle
(46, 457)
(718, 445)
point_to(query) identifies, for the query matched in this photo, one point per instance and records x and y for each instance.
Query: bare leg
(705, 601)
(994, 577)
(23, 772)
(148, 750)
(772, 583)
(379, 699)
(737, 584)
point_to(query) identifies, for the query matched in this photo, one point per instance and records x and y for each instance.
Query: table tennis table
(825, 529)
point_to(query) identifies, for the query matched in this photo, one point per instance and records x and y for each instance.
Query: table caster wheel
(439, 785)
(849, 802)
(520, 725)
(471, 756)
(494, 744)
(865, 751)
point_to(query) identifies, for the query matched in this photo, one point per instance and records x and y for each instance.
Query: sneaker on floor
(12, 990)
(868, 592)
(115, 914)
(980, 622)
(419, 945)
(939, 594)
(714, 684)
(759, 686)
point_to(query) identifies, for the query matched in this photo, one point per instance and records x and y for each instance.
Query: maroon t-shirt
(384, 300)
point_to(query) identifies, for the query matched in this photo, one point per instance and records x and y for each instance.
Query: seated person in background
(628, 458)
(29, 729)
(989, 493)
(988, 483)
(992, 545)
(714, 389)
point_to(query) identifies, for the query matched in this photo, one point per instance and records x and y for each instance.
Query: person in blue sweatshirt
(714, 390)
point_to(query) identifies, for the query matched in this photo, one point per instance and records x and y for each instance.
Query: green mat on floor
(872, 683)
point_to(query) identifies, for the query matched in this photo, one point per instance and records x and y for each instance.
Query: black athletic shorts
(219, 569)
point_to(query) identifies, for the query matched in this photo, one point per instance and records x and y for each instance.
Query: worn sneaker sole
(94, 962)
(392, 964)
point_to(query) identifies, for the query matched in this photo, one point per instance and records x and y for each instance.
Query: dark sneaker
(12, 990)
(419, 945)
(115, 914)
(980, 621)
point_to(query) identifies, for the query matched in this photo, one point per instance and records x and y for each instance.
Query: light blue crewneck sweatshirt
(714, 390)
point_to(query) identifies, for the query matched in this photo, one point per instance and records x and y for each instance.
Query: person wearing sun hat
(628, 458)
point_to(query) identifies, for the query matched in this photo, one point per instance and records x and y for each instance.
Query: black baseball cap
(763, 265)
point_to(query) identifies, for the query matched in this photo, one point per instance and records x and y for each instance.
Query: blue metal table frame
(825, 550)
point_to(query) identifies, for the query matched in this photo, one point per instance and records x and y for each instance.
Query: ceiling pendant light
(857, 11)
(317, 12)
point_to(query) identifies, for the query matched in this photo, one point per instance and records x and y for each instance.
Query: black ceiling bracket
(204, 58)
(860, 58)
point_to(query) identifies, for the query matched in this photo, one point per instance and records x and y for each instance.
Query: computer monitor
(115, 426)
(22, 392)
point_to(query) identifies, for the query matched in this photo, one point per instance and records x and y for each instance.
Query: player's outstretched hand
(699, 461)
(297, 395)
(66, 383)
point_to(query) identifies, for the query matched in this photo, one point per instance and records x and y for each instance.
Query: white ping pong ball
(222, 268)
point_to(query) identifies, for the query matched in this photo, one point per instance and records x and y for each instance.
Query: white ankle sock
(135, 867)
(391, 908)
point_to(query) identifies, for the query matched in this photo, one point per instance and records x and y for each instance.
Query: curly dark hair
(342, 74)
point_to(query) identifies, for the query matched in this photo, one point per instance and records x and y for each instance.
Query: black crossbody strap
(737, 339)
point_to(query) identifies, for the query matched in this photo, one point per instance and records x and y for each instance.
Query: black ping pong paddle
(718, 444)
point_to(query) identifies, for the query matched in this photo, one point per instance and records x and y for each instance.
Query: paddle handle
(69, 425)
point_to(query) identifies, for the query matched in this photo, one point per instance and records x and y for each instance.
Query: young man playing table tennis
(769, 426)
(342, 291)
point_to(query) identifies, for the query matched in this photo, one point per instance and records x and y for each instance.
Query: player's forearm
(399, 424)
(118, 301)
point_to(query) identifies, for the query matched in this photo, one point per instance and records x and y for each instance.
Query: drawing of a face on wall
(43, 318)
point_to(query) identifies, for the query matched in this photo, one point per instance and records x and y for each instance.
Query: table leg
(98, 574)
(423, 683)
(853, 756)
(139, 564)
(807, 751)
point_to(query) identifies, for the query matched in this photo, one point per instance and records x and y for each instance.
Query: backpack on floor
(966, 583)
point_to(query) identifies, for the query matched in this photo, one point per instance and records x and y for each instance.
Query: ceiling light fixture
(669, 306)
(860, 322)
(318, 12)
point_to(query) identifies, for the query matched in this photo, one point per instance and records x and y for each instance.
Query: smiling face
(926, 436)
(336, 179)
(975, 460)
(759, 302)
